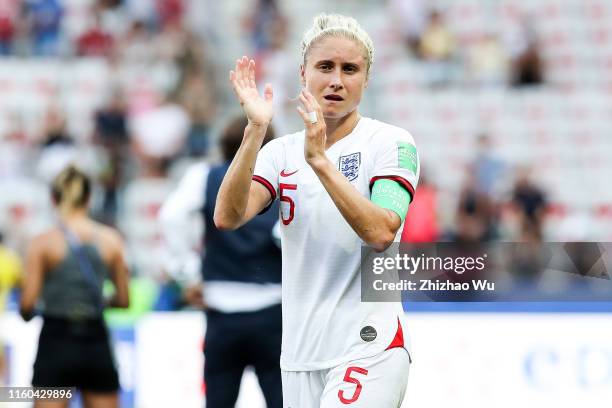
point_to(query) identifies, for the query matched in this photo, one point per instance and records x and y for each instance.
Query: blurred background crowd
(509, 101)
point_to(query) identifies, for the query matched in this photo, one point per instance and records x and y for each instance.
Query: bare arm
(376, 226)
(239, 198)
(119, 273)
(33, 279)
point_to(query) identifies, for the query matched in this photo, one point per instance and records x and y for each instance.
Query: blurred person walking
(65, 267)
(241, 274)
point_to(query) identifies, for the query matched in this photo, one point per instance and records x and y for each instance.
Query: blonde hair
(71, 189)
(337, 25)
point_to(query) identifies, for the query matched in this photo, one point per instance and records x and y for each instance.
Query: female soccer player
(66, 267)
(343, 182)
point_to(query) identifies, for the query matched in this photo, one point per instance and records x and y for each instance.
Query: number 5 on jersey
(284, 198)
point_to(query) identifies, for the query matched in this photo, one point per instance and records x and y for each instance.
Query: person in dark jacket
(240, 280)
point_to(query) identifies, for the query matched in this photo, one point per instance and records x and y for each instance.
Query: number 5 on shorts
(349, 379)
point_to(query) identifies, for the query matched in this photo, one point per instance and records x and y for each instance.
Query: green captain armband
(391, 195)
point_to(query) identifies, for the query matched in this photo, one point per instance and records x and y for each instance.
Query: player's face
(335, 72)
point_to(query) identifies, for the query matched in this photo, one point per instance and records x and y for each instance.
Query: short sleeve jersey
(323, 315)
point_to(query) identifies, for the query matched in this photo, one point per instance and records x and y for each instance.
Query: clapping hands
(257, 108)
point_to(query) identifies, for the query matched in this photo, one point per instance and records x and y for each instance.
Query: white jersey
(324, 321)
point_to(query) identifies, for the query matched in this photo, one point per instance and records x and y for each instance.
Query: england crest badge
(349, 165)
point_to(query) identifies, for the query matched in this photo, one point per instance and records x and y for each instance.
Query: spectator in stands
(109, 3)
(475, 218)
(14, 148)
(95, 41)
(411, 17)
(158, 136)
(422, 220)
(530, 203)
(65, 268)
(135, 45)
(191, 55)
(114, 19)
(276, 67)
(111, 133)
(174, 41)
(143, 11)
(528, 67)
(45, 19)
(54, 131)
(9, 19)
(196, 94)
(527, 62)
(170, 12)
(110, 122)
(57, 148)
(10, 277)
(437, 49)
(195, 91)
(241, 274)
(489, 170)
(487, 62)
(526, 265)
(265, 15)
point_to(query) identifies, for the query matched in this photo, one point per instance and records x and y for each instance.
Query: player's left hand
(316, 136)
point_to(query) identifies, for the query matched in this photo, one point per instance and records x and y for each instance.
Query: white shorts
(378, 381)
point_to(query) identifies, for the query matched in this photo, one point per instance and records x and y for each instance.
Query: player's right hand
(257, 108)
(193, 296)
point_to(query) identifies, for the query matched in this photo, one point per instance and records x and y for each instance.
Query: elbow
(26, 313)
(123, 302)
(381, 246)
(227, 217)
(381, 242)
(224, 223)
(221, 224)
(120, 302)
(381, 238)
(124, 299)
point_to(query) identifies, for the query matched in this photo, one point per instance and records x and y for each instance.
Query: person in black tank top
(64, 274)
